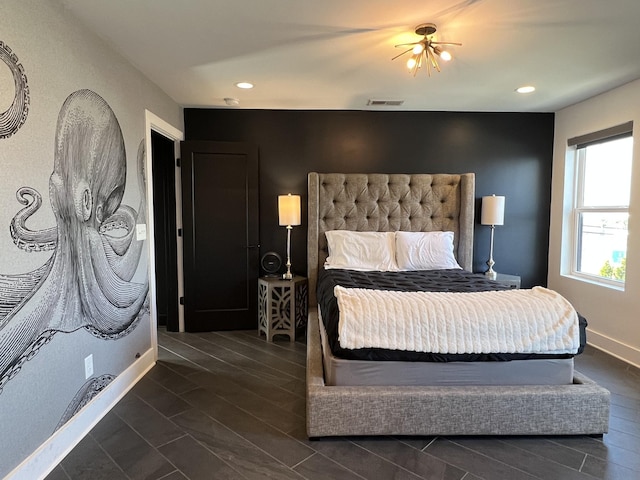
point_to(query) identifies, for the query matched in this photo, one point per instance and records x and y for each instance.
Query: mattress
(454, 280)
(341, 372)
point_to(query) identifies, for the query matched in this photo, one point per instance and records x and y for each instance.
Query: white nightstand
(512, 281)
(277, 299)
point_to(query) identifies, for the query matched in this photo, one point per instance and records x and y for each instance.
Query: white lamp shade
(492, 210)
(289, 209)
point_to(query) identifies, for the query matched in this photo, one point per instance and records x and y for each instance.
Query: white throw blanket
(511, 321)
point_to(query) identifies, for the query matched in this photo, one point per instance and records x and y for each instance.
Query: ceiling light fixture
(244, 85)
(426, 50)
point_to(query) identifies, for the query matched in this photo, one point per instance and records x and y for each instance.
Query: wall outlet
(88, 366)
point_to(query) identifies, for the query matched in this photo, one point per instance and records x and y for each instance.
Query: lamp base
(288, 275)
(491, 274)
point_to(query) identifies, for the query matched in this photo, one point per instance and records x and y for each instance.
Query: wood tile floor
(229, 405)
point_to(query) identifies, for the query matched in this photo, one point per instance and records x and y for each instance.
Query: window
(601, 208)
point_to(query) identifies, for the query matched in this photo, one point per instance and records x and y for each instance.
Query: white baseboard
(40, 463)
(615, 348)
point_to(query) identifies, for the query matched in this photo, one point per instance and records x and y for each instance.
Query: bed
(422, 203)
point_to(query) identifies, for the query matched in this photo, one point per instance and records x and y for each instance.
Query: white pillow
(361, 250)
(425, 251)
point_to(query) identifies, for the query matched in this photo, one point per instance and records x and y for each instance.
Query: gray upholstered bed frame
(378, 202)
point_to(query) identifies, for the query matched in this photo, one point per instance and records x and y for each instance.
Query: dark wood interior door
(220, 222)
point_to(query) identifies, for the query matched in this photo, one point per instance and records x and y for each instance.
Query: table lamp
(492, 214)
(288, 215)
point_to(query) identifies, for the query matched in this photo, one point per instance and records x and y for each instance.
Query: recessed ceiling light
(384, 103)
(244, 85)
(526, 89)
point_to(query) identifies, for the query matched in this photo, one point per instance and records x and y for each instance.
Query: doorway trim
(157, 124)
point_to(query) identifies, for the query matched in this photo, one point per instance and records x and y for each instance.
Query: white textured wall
(613, 316)
(59, 57)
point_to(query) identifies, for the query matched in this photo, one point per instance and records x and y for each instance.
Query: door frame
(157, 124)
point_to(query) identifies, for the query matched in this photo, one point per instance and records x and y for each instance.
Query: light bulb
(417, 50)
(443, 54)
(411, 63)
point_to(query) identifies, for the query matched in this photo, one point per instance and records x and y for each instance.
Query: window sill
(619, 286)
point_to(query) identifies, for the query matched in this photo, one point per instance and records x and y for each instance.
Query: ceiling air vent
(385, 103)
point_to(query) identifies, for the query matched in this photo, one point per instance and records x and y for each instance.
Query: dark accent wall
(510, 153)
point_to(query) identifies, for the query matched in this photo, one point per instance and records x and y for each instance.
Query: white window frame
(578, 209)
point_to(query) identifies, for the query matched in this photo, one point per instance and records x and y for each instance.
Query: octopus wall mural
(87, 282)
(88, 391)
(15, 116)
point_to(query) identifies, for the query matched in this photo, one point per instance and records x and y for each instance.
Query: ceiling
(336, 54)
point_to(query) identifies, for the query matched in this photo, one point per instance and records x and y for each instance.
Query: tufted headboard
(372, 202)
